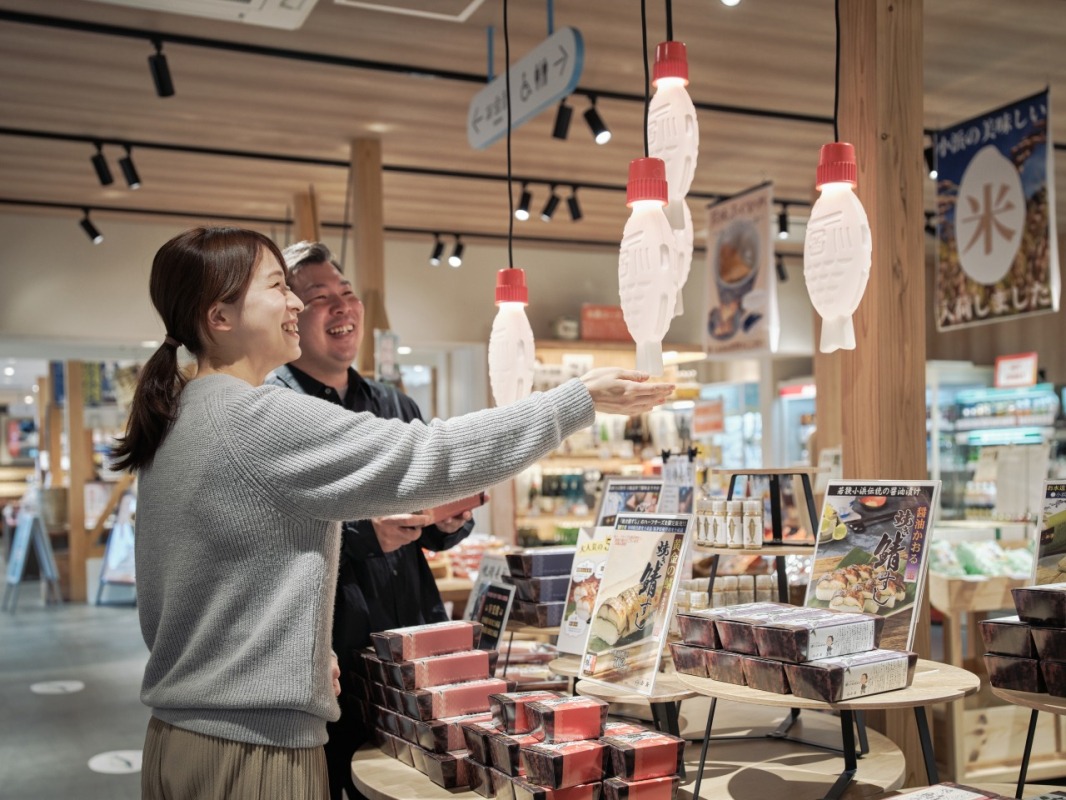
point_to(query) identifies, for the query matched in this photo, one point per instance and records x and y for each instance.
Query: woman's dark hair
(190, 273)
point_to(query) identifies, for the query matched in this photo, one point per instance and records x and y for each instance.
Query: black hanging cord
(507, 83)
(647, 78)
(836, 86)
(669, 20)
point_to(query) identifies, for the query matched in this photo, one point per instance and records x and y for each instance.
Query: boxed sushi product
(1054, 677)
(377, 695)
(388, 720)
(548, 589)
(1009, 636)
(615, 728)
(725, 667)
(451, 700)
(480, 776)
(394, 699)
(567, 719)
(766, 675)
(408, 731)
(509, 709)
(418, 756)
(737, 632)
(1018, 674)
(447, 770)
(374, 667)
(795, 638)
(404, 752)
(523, 790)
(1042, 605)
(385, 741)
(847, 677)
(664, 788)
(649, 754)
(445, 735)
(476, 735)
(688, 660)
(421, 641)
(504, 749)
(697, 630)
(541, 562)
(1049, 643)
(469, 665)
(539, 615)
(564, 764)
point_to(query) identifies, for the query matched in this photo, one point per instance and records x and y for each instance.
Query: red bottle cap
(511, 286)
(671, 61)
(647, 180)
(836, 164)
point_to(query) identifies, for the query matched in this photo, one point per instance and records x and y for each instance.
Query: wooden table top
(667, 690)
(520, 628)
(933, 683)
(1037, 700)
(772, 471)
(568, 666)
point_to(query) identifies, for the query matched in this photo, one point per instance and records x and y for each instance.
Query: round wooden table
(933, 683)
(1037, 701)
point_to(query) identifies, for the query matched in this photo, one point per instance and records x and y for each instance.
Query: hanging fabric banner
(741, 314)
(997, 253)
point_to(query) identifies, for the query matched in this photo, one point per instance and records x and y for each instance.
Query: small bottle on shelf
(719, 534)
(753, 525)
(734, 523)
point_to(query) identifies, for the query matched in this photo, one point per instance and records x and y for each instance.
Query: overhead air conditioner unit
(288, 14)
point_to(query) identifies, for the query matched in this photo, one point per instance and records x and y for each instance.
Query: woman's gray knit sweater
(238, 537)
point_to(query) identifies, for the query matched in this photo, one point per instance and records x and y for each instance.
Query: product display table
(1005, 789)
(933, 683)
(1037, 702)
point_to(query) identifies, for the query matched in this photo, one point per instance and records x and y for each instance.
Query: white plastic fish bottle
(837, 249)
(511, 355)
(647, 263)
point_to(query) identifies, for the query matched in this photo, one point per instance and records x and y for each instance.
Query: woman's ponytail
(154, 409)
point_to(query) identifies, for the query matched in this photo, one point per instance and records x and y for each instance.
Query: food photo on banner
(997, 252)
(1051, 545)
(741, 314)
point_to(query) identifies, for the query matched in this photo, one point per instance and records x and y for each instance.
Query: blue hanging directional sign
(549, 72)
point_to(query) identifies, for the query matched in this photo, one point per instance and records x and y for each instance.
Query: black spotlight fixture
(522, 212)
(456, 258)
(563, 115)
(573, 205)
(782, 222)
(779, 262)
(103, 172)
(549, 207)
(438, 251)
(157, 64)
(600, 132)
(90, 230)
(930, 162)
(133, 180)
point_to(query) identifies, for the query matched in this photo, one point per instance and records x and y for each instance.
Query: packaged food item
(568, 719)
(730, 590)
(539, 615)
(688, 660)
(644, 755)
(374, 668)
(563, 764)
(1017, 674)
(540, 562)
(377, 695)
(615, 728)
(745, 588)
(451, 700)
(386, 742)
(387, 719)
(523, 790)
(734, 524)
(765, 589)
(737, 632)
(404, 753)
(447, 770)
(753, 524)
(1042, 605)
(408, 731)
(394, 699)
(445, 735)
(719, 529)
(542, 590)
(418, 757)
(725, 666)
(476, 736)
(698, 629)
(509, 709)
(1054, 673)
(504, 749)
(653, 789)
(1048, 643)
(808, 638)
(469, 665)
(421, 641)
(847, 677)
(766, 675)
(480, 776)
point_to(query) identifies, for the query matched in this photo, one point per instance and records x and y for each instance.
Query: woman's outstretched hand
(624, 391)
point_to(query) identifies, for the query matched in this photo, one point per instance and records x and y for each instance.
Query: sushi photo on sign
(870, 556)
(631, 617)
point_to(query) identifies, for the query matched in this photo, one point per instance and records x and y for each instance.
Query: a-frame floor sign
(29, 528)
(117, 573)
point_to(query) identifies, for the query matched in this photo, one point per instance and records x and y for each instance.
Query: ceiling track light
(573, 205)
(782, 222)
(522, 212)
(90, 230)
(157, 65)
(437, 252)
(779, 262)
(456, 258)
(133, 180)
(563, 115)
(548, 211)
(103, 171)
(600, 132)
(930, 162)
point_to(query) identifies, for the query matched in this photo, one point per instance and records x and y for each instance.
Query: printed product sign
(493, 569)
(585, 578)
(741, 314)
(628, 497)
(494, 607)
(997, 248)
(1051, 547)
(871, 553)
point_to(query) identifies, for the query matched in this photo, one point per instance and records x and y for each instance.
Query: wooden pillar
(81, 471)
(368, 230)
(306, 227)
(880, 398)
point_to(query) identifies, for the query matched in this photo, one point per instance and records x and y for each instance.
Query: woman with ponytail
(241, 489)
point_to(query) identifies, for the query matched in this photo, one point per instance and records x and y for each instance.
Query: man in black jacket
(384, 580)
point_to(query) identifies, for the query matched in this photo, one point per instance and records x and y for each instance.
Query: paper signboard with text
(493, 569)
(741, 314)
(872, 552)
(997, 249)
(1051, 545)
(492, 611)
(634, 606)
(628, 496)
(585, 577)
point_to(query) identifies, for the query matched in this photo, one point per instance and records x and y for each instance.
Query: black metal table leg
(927, 745)
(851, 765)
(860, 724)
(1026, 753)
(781, 731)
(703, 750)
